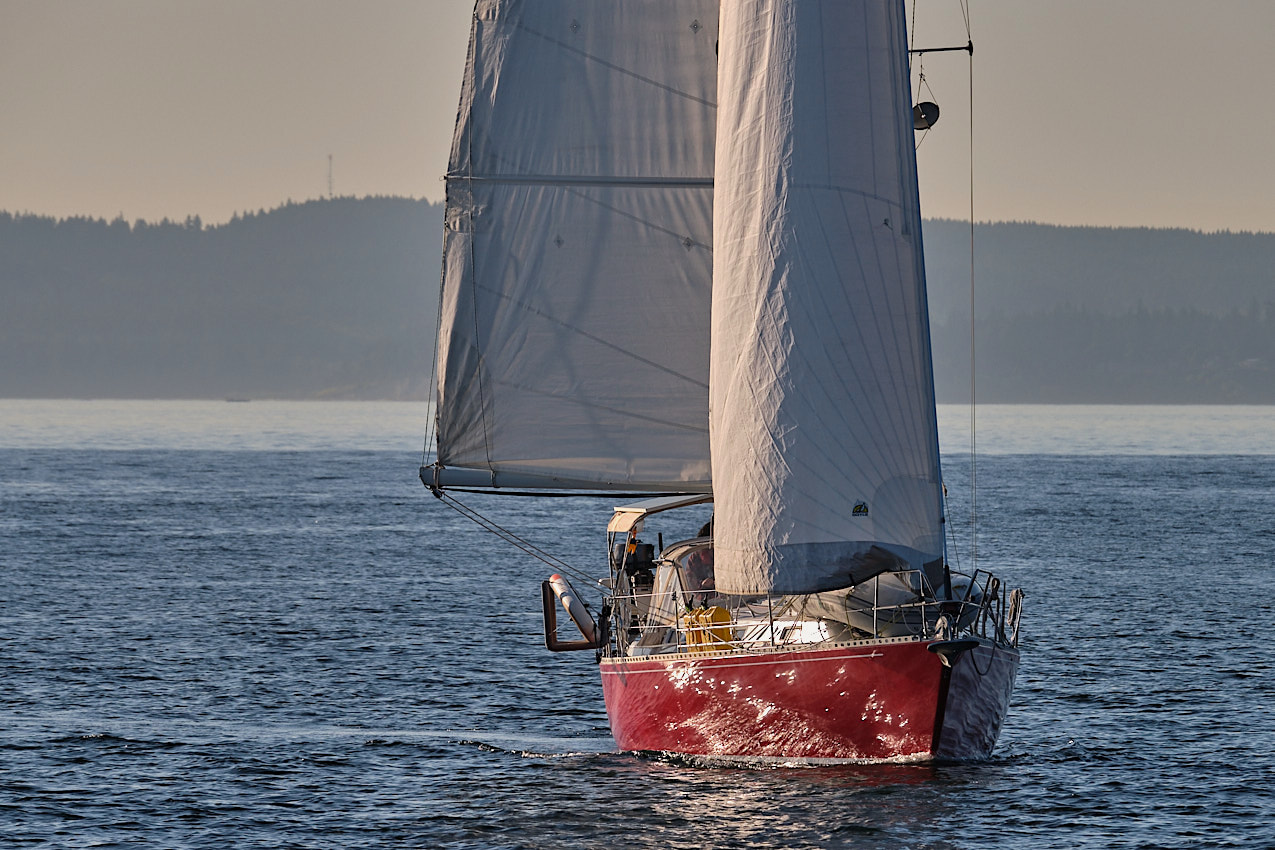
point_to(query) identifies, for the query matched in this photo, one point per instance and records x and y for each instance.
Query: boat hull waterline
(886, 700)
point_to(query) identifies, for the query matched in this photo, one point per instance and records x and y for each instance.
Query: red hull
(874, 700)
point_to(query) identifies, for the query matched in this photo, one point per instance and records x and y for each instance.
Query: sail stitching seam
(591, 337)
(585, 404)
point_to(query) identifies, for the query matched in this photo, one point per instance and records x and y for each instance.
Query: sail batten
(546, 180)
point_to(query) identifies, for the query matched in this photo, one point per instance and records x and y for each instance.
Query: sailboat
(683, 265)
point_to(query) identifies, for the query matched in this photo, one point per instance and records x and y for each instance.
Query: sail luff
(823, 429)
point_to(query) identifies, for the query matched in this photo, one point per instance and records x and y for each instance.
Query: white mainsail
(573, 346)
(824, 437)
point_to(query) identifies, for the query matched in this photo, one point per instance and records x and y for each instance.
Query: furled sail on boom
(573, 345)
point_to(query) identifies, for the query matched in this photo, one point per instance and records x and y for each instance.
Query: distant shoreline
(337, 299)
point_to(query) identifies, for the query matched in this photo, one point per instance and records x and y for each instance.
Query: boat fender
(573, 606)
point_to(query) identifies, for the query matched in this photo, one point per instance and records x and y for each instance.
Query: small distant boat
(238, 400)
(682, 260)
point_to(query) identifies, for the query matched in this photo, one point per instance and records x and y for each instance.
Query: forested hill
(1103, 315)
(337, 299)
(1026, 268)
(323, 299)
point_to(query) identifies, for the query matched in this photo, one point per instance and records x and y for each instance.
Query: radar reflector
(925, 115)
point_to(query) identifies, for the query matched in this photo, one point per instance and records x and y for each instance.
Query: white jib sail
(824, 438)
(573, 347)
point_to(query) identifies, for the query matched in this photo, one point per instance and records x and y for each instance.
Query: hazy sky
(1108, 112)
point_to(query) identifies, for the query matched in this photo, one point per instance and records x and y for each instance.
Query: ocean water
(248, 625)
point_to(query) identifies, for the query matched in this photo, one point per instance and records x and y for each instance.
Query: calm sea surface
(248, 625)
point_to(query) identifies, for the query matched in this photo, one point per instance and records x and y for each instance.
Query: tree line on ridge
(337, 299)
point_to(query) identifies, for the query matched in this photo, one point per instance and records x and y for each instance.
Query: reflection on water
(655, 800)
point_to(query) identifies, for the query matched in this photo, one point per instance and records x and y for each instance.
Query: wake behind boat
(682, 256)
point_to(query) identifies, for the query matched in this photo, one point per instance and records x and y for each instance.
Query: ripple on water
(210, 649)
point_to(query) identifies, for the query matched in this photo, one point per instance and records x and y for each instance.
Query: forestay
(573, 346)
(824, 439)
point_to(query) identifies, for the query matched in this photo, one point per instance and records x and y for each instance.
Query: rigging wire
(922, 82)
(431, 400)
(973, 362)
(951, 532)
(431, 422)
(513, 539)
(920, 68)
